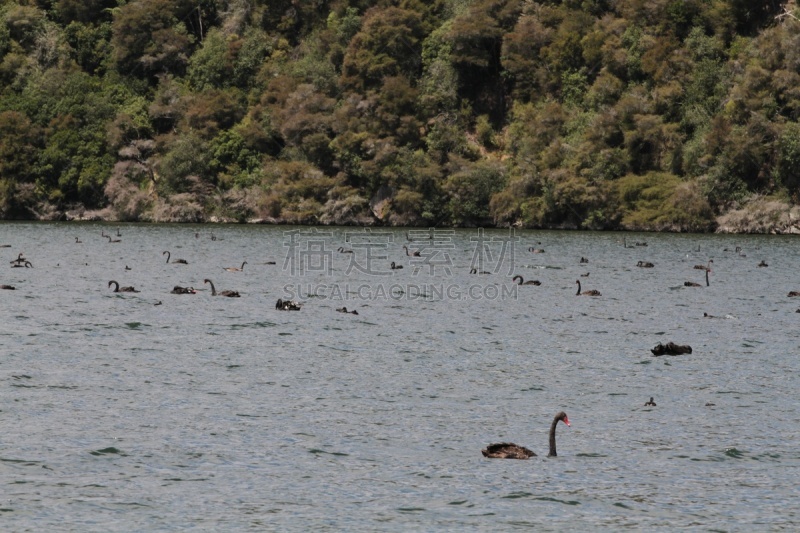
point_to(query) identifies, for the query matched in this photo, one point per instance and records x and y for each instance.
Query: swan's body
(522, 282)
(20, 260)
(671, 349)
(706, 267)
(344, 310)
(394, 266)
(508, 450)
(183, 290)
(112, 240)
(287, 305)
(181, 261)
(693, 284)
(763, 264)
(794, 293)
(535, 250)
(117, 288)
(651, 403)
(415, 253)
(229, 294)
(476, 271)
(8, 287)
(644, 264)
(342, 250)
(234, 269)
(592, 292)
(584, 260)
(27, 264)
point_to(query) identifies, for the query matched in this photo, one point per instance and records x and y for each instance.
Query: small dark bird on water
(651, 403)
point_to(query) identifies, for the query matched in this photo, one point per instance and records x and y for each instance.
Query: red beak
(566, 421)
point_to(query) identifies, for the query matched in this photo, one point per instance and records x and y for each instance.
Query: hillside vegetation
(636, 114)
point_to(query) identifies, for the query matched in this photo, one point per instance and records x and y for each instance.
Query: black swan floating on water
(693, 284)
(177, 289)
(180, 261)
(522, 282)
(415, 253)
(395, 266)
(20, 260)
(117, 288)
(344, 310)
(287, 305)
(234, 269)
(229, 294)
(645, 264)
(704, 267)
(592, 292)
(671, 349)
(508, 450)
(651, 403)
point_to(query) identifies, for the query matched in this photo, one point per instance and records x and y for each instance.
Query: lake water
(213, 413)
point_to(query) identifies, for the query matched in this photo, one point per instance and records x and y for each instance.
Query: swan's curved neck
(552, 452)
(553, 431)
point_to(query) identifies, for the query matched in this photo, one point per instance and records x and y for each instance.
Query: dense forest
(677, 115)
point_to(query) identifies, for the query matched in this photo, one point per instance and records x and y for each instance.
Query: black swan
(27, 264)
(651, 403)
(393, 266)
(671, 348)
(704, 267)
(763, 263)
(644, 264)
(229, 294)
(117, 288)
(535, 250)
(693, 284)
(584, 260)
(112, 240)
(592, 292)
(78, 241)
(177, 289)
(794, 293)
(476, 271)
(8, 287)
(181, 261)
(19, 260)
(415, 253)
(508, 450)
(529, 282)
(344, 310)
(286, 305)
(234, 269)
(342, 250)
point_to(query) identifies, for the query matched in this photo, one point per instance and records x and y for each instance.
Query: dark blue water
(213, 413)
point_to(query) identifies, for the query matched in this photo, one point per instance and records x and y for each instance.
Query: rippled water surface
(213, 413)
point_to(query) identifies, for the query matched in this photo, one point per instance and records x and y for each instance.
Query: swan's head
(562, 416)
